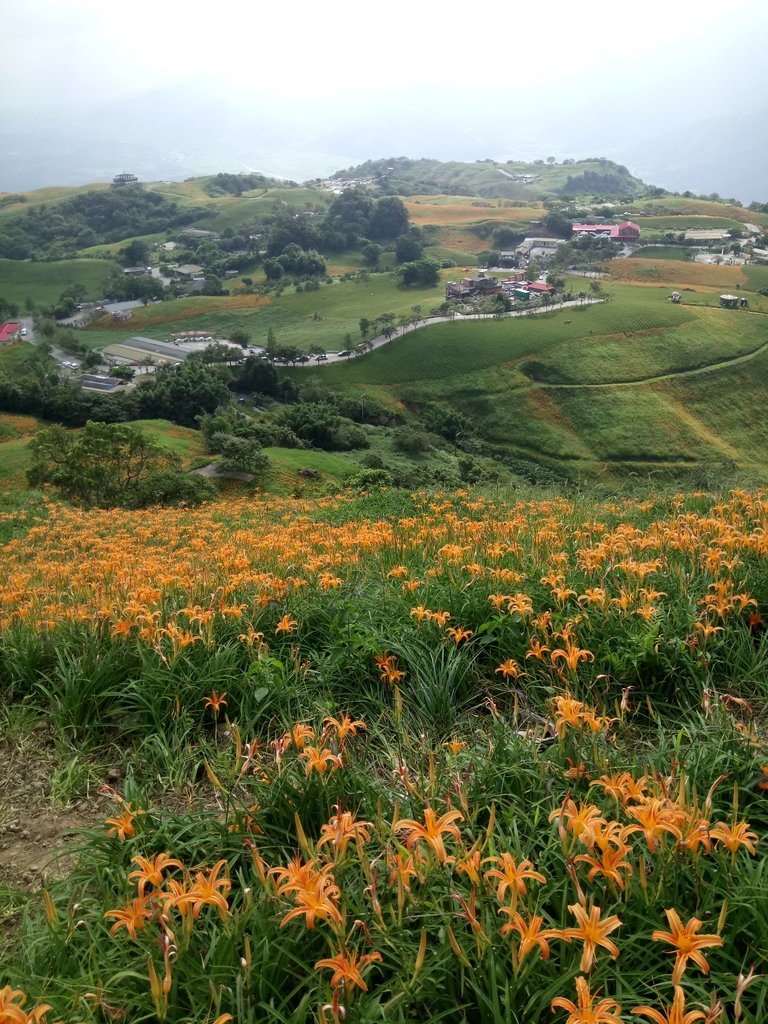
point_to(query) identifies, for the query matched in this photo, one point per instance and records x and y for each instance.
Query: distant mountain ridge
(495, 179)
(726, 155)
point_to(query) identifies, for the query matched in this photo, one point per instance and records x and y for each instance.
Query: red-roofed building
(624, 232)
(539, 288)
(627, 231)
(9, 332)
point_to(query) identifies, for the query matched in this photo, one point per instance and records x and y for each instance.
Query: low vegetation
(450, 755)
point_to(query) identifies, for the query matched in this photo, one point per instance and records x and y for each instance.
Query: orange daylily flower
(387, 665)
(344, 726)
(297, 875)
(431, 831)
(537, 649)
(686, 942)
(455, 746)
(343, 829)
(132, 917)
(512, 875)
(509, 669)
(403, 867)
(318, 760)
(520, 604)
(204, 891)
(583, 820)
(122, 823)
(531, 933)
(12, 1008)
(609, 864)
(676, 1014)
(607, 1011)
(459, 635)
(215, 701)
(470, 866)
(593, 932)
(298, 735)
(315, 895)
(571, 655)
(150, 872)
(734, 836)
(348, 969)
(655, 818)
(440, 617)
(286, 624)
(568, 713)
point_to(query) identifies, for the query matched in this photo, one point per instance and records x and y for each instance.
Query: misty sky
(303, 88)
(693, 56)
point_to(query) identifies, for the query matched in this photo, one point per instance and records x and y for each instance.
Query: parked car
(23, 332)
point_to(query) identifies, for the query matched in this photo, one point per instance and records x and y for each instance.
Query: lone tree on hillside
(112, 464)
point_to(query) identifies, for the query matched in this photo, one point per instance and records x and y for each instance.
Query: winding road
(381, 339)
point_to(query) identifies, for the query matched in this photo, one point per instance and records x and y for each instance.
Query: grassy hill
(600, 395)
(587, 392)
(494, 179)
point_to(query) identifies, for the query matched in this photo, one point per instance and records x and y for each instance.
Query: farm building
(9, 332)
(706, 236)
(97, 382)
(514, 279)
(538, 248)
(729, 301)
(191, 270)
(627, 231)
(472, 287)
(540, 288)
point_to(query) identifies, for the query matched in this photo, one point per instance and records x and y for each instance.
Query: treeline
(54, 231)
(180, 395)
(610, 183)
(236, 184)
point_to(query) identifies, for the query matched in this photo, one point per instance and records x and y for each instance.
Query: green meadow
(323, 317)
(43, 283)
(455, 348)
(657, 225)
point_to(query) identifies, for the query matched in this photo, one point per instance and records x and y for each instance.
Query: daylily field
(435, 757)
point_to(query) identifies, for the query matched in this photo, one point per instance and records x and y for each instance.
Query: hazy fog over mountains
(678, 96)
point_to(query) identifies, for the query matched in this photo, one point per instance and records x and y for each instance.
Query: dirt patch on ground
(36, 830)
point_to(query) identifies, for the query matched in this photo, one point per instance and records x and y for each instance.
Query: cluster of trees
(423, 272)
(238, 439)
(236, 184)
(56, 230)
(355, 217)
(354, 220)
(321, 425)
(180, 395)
(294, 260)
(112, 464)
(8, 310)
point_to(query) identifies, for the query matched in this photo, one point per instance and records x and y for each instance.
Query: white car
(23, 332)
